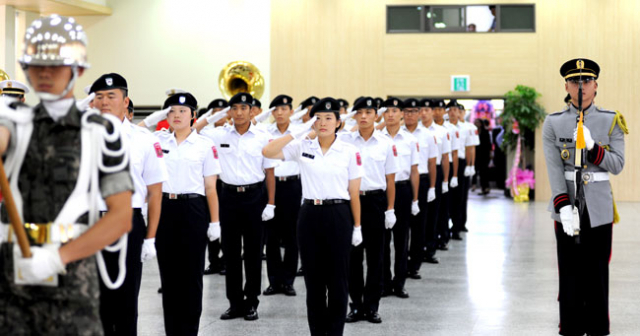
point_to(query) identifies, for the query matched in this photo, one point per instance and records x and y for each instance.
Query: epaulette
(600, 109)
(619, 120)
(566, 108)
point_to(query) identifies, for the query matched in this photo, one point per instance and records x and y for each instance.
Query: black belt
(324, 202)
(424, 175)
(287, 178)
(241, 188)
(136, 211)
(404, 182)
(179, 196)
(371, 192)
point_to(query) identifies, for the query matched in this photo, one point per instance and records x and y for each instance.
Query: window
(461, 18)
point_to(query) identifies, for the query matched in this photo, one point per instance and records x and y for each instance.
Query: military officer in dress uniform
(281, 230)
(329, 220)
(247, 199)
(119, 307)
(56, 290)
(583, 228)
(14, 89)
(377, 198)
(406, 202)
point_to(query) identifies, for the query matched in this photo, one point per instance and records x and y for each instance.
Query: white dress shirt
(379, 158)
(443, 140)
(408, 152)
(285, 168)
(455, 139)
(428, 147)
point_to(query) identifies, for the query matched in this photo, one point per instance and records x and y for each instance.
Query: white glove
(84, 103)
(445, 187)
(304, 129)
(268, 212)
(356, 238)
(264, 115)
(148, 249)
(431, 195)
(298, 115)
(298, 109)
(218, 116)
(381, 111)
(566, 217)
(344, 117)
(156, 117)
(389, 219)
(454, 182)
(473, 170)
(214, 231)
(206, 114)
(587, 137)
(44, 263)
(467, 171)
(415, 209)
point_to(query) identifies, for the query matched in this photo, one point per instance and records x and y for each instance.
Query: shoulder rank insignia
(619, 120)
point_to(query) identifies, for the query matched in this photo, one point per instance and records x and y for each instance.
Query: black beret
(183, 99)
(343, 103)
(424, 102)
(452, 103)
(281, 100)
(309, 101)
(365, 103)
(393, 102)
(325, 105)
(410, 103)
(109, 82)
(217, 103)
(130, 107)
(437, 103)
(256, 103)
(461, 107)
(379, 102)
(579, 67)
(241, 98)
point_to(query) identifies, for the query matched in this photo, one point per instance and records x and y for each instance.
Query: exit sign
(460, 83)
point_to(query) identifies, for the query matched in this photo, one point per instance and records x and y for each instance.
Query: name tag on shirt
(307, 155)
(224, 145)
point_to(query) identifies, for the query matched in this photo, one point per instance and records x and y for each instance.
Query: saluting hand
(218, 116)
(156, 117)
(148, 249)
(356, 238)
(268, 213)
(84, 103)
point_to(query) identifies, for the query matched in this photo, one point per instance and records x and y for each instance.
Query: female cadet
(181, 240)
(329, 219)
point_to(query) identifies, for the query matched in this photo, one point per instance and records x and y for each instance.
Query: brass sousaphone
(241, 76)
(3, 76)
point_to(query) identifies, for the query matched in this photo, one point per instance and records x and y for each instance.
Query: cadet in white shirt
(377, 197)
(442, 227)
(281, 230)
(443, 142)
(406, 202)
(244, 204)
(189, 215)
(427, 189)
(456, 203)
(329, 220)
(119, 307)
(455, 196)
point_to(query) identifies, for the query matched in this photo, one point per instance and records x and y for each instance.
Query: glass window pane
(480, 17)
(448, 17)
(404, 18)
(516, 18)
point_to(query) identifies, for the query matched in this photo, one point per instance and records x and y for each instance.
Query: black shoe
(231, 313)
(223, 271)
(271, 290)
(443, 247)
(160, 290)
(431, 259)
(401, 293)
(456, 236)
(374, 317)
(354, 316)
(300, 272)
(251, 315)
(211, 270)
(264, 256)
(288, 290)
(464, 229)
(414, 275)
(386, 292)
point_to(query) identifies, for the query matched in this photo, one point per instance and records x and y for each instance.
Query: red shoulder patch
(215, 152)
(395, 151)
(158, 149)
(358, 159)
(417, 147)
(457, 135)
(448, 136)
(476, 132)
(435, 140)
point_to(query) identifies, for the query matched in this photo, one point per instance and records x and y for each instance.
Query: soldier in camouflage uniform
(583, 265)
(45, 180)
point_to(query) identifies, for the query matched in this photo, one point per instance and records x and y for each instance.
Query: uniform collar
(574, 109)
(401, 132)
(335, 146)
(71, 118)
(357, 135)
(252, 129)
(190, 139)
(273, 128)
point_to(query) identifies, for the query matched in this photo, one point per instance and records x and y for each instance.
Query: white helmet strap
(53, 97)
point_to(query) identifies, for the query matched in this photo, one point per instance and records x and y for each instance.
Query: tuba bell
(241, 76)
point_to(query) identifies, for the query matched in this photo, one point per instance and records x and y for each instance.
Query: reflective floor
(501, 280)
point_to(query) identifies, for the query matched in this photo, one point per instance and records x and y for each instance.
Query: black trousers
(456, 201)
(215, 247)
(119, 307)
(324, 237)
(584, 279)
(442, 228)
(181, 241)
(400, 234)
(366, 297)
(418, 226)
(465, 200)
(281, 231)
(431, 233)
(242, 227)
